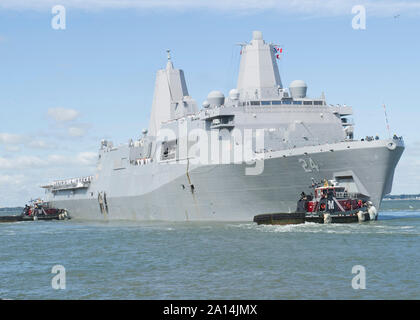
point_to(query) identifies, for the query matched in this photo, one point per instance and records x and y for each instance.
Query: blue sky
(62, 91)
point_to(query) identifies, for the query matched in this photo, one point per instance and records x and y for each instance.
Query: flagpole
(386, 119)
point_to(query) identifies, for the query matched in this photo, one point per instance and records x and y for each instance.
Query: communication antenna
(169, 65)
(387, 123)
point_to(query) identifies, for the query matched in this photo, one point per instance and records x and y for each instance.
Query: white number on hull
(312, 166)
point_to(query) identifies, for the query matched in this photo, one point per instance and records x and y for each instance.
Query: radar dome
(298, 89)
(216, 98)
(234, 94)
(206, 104)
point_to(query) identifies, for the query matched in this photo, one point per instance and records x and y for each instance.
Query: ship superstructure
(238, 156)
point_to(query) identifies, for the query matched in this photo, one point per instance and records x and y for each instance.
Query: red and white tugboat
(331, 203)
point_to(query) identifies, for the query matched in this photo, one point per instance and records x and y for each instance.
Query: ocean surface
(160, 260)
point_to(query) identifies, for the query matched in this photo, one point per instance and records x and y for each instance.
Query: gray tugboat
(167, 174)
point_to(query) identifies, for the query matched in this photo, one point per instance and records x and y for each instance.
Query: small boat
(37, 210)
(331, 203)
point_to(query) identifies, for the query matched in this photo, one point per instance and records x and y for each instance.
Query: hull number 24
(309, 165)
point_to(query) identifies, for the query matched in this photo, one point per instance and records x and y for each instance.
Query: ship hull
(223, 192)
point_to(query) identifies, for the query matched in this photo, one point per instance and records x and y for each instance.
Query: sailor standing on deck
(330, 201)
(302, 203)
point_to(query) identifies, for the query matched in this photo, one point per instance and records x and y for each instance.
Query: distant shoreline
(11, 209)
(401, 199)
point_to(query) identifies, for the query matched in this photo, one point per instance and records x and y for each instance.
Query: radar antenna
(387, 123)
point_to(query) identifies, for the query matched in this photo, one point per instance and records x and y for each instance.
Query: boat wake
(374, 227)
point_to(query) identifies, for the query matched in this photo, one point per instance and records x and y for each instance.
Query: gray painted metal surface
(191, 165)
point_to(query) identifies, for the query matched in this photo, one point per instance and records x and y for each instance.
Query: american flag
(277, 51)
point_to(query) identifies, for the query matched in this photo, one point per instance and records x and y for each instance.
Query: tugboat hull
(280, 218)
(297, 218)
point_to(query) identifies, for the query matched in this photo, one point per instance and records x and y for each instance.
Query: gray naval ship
(249, 153)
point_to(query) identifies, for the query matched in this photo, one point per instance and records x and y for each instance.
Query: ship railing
(141, 161)
(346, 195)
(75, 183)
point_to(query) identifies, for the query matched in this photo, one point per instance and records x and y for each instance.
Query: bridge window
(255, 103)
(297, 102)
(275, 102)
(307, 103)
(317, 103)
(265, 103)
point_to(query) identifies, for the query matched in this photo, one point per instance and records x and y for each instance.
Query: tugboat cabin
(333, 198)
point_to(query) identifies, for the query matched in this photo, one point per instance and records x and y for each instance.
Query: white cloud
(52, 160)
(77, 131)
(8, 180)
(11, 148)
(38, 144)
(307, 7)
(62, 114)
(87, 158)
(21, 162)
(12, 141)
(11, 138)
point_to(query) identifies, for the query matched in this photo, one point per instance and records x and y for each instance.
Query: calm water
(126, 260)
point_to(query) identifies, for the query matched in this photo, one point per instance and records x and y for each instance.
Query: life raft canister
(360, 203)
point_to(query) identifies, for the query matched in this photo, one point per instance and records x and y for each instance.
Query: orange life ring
(348, 205)
(359, 203)
(322, 206)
